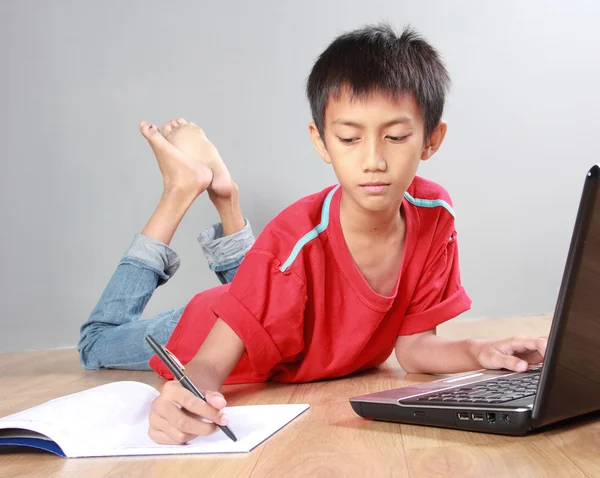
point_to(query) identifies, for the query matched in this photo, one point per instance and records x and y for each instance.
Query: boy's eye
(347, 140)
(397, 139)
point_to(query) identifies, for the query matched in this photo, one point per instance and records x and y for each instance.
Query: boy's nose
(373, 159)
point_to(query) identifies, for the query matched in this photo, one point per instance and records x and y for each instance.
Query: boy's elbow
(409, 366)
(413, 352)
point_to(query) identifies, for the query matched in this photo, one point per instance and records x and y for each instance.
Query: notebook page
(100, 416)
(251, 424)
(112, 420)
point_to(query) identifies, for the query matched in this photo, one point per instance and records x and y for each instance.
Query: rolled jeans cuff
(225, 252)
(154, 254)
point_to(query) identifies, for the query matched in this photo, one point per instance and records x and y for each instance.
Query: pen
(177, 370)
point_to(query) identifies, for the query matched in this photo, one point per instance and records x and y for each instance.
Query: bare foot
(180, 171)
(190, 138)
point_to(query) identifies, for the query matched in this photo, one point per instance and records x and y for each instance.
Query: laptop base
(509, 421)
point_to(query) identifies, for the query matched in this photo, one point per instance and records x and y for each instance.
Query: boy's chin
(381, 207)
(378, 204)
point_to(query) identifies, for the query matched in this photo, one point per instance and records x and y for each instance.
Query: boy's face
(375, 145)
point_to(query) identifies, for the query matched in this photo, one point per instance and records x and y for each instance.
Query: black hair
(375, 59)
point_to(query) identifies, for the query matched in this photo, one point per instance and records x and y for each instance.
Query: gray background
(78, 180)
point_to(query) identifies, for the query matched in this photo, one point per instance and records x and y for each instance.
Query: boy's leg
(225, 244)
(113, 337)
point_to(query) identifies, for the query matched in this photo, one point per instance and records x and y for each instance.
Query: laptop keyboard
(499, 390)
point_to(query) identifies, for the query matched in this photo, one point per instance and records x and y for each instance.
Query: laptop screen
(570, 382)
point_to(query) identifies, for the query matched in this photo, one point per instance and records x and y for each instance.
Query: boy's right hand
(177, 414)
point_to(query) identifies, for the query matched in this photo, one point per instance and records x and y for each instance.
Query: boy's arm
(176, 415)
(427, 353)
(217, 357)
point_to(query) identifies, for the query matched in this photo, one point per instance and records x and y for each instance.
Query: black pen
(177, 370)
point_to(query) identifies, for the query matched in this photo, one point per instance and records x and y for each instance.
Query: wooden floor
(329, 440)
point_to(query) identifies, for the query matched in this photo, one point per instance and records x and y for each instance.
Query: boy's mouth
(374, 188)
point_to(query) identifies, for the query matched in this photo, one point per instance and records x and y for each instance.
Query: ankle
(180, 193)
(171, 209)
(227, 203)
(232, 220)
(230, 213)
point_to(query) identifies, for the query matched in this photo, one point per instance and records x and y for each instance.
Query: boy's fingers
(193, 425)
(173, 433)
(534, 358)
(186, 399)
(513, 363)
(215, 399)
(161, 437)
(164, 431)
(526, 344)
(180, 420)
(495, 360)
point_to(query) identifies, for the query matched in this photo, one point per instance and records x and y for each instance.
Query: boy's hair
(374, 59)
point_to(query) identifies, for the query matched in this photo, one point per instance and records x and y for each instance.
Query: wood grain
(327, 441)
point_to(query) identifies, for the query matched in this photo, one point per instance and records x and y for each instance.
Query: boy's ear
(436, 138)
(318, 142)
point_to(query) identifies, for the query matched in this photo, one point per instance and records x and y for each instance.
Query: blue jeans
(114, 335)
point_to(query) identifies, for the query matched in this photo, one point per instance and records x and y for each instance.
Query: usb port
(478, 417)
(463, 416)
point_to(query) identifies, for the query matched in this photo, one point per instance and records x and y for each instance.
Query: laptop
(567, 385)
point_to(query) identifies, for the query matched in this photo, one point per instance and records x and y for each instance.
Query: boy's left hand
(515, 353)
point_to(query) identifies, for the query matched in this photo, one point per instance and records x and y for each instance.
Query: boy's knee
(86, 362)
(86, 350)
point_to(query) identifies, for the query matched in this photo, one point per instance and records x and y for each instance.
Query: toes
(174, 124)
(157, 141)
(148, 130)
(166, 128)
(200, 130)
(181, 121)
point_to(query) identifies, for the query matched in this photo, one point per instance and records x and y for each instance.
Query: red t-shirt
(301, 306)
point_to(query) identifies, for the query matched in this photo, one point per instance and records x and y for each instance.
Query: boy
(336, 281)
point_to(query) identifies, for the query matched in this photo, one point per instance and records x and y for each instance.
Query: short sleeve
(265, 308)
(439, 295)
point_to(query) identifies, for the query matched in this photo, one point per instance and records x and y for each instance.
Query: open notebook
(112, 420)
